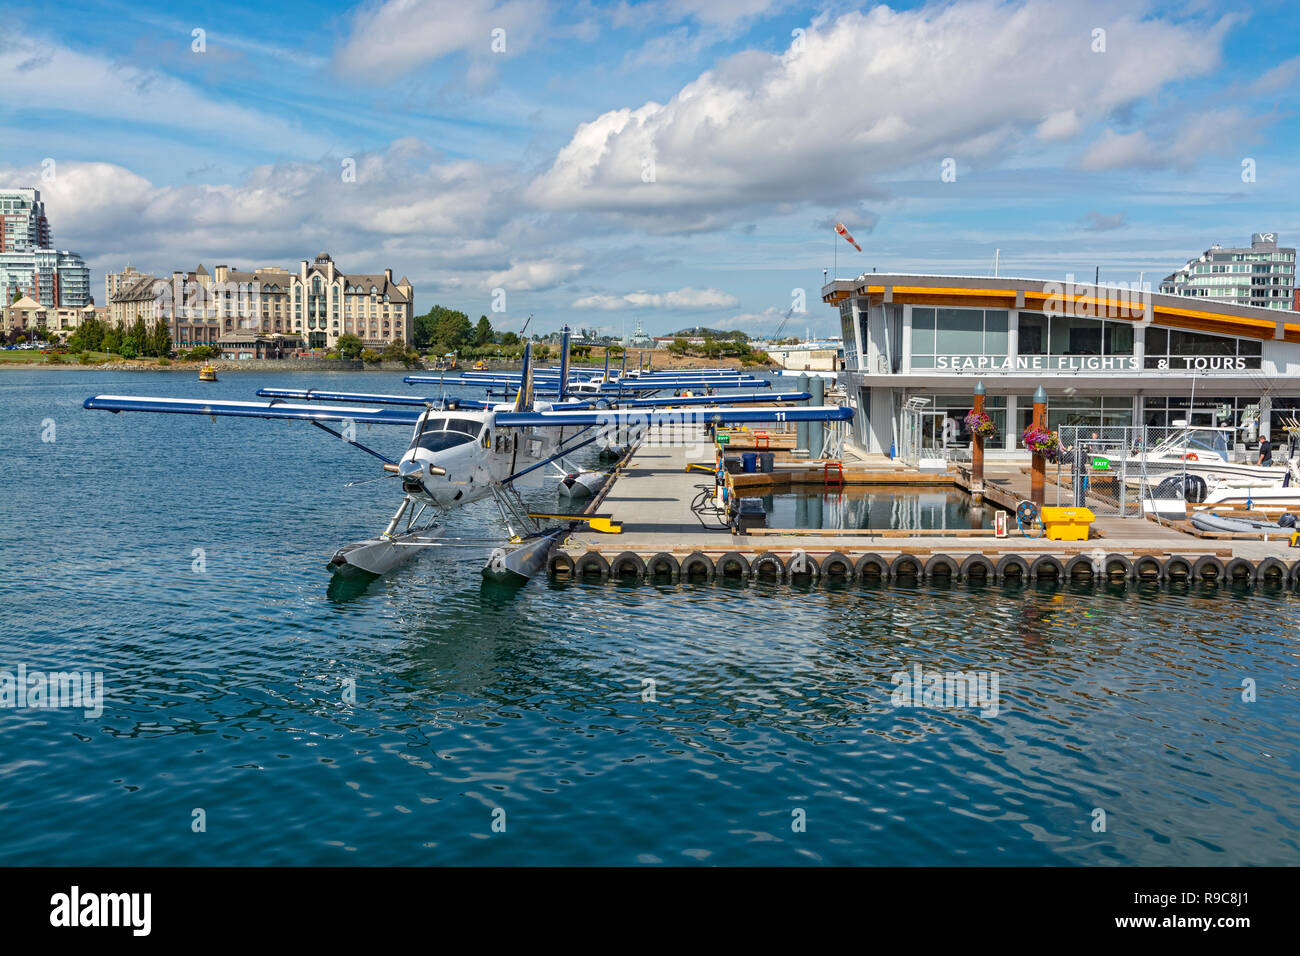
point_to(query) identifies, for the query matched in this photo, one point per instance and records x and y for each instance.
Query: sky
(669, 162)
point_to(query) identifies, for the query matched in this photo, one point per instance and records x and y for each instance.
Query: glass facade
(1176, 350)
(947, 338)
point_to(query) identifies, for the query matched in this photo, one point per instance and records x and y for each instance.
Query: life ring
(1190, 456)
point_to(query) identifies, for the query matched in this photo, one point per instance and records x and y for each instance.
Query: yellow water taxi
(208, 373)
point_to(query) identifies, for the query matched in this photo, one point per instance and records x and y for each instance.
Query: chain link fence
(1112, 470)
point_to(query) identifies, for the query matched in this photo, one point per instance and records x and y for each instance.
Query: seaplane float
(463, 450)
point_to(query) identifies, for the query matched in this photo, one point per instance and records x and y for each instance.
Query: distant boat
(208, 373)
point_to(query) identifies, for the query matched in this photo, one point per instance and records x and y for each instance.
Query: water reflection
(881, 508)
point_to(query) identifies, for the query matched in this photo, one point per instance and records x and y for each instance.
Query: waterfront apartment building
(116, 283)
(23, 224)
(1262, 275)
(29, 263)
(312, 307)
(1106, 357)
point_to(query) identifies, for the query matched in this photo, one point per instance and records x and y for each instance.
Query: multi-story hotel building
(29, 265)
(328, 303)
(1263, 275)
(313, 306)
(1105, 356)
(116, 283)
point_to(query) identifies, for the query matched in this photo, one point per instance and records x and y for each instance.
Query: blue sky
(676, 162)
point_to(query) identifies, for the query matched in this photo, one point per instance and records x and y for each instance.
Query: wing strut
(355, 444)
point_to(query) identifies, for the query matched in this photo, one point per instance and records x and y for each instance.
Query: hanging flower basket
(1040, 441)
(980, 425)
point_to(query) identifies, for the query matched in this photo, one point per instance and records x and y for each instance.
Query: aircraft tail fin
(564, 363)
(524, 400)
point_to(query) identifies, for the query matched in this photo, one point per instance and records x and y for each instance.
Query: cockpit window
(441, 441)
(439, 434)
(464, 425)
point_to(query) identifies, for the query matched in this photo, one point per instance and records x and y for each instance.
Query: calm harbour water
(225, 689)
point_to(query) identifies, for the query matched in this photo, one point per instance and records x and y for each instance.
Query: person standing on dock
(1265, 451)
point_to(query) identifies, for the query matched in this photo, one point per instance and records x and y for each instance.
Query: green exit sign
(1101, 464)
(724, 439)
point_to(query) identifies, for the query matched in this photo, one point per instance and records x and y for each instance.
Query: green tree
(445, 329)
(350, 346)
(483, 334)
(541, 353)
(510, 338)
(454, 331)
(112, 341)
(370, 356)
(136, 338)
(679, 347)
(160, 339)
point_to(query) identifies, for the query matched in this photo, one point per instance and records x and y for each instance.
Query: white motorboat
(1199, 451)
(1253, 493)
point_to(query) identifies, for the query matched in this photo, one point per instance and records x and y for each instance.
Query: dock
(651, 492)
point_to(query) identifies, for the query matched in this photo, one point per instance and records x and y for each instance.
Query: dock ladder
(833, 472)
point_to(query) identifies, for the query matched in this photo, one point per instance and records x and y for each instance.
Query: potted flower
(1040, 441)
(980, 425)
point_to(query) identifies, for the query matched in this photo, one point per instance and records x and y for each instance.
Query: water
(225, 689)
(887, 507)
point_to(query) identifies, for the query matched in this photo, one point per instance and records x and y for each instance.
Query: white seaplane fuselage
(456, 457)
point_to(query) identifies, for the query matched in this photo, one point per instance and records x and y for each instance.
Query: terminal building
(1107, 356)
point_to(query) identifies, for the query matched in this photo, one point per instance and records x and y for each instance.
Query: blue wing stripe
(194, 406)
(316, 395)
(722, 415)
(713, 399)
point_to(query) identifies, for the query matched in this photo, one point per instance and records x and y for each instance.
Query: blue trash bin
(749, 462)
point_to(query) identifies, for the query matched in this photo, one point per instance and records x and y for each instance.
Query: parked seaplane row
(463, 450)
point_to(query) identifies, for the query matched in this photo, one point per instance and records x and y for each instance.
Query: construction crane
(776, 336)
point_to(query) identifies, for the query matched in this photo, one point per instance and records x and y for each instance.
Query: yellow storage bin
(1066, 524)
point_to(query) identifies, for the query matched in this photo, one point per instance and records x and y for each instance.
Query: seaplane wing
(198, 406)
(717, 415)
(367, 398)
(317, 395)
(612, 388)
(713, 399)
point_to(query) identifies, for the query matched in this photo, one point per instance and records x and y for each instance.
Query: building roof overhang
(1073, 298)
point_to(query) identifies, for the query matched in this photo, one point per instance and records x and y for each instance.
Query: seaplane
(464, 450)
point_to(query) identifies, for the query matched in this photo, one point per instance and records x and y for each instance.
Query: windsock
(839, 227)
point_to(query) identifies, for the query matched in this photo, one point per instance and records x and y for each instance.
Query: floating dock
(663, 540)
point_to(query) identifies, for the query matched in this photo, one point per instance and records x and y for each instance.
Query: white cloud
(51, 77)
(396, 37)
(448, 222)
(1117, 150)
(1281, 77)
(1214, 132)
(866, 96)
(535, 275)
(1063, 124)
(680, 299)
